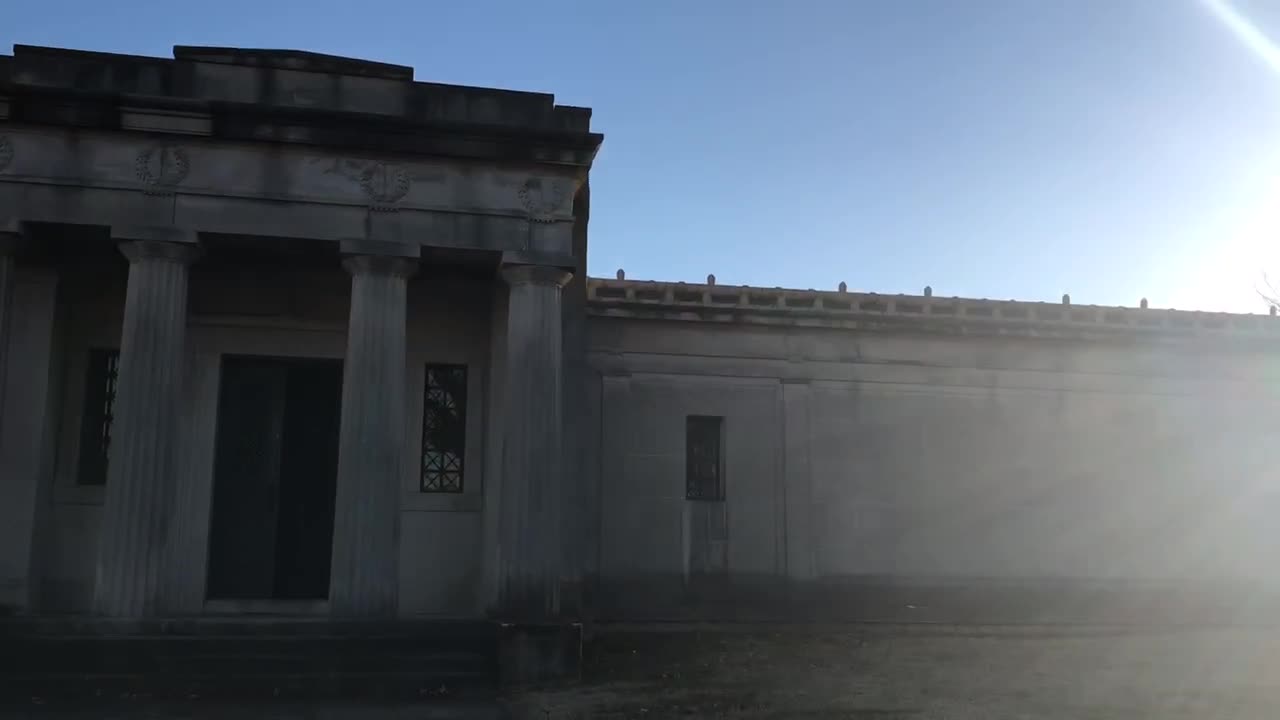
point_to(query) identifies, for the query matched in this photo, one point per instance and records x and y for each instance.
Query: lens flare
(1245, 31)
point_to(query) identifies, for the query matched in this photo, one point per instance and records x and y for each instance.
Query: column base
(532, 654)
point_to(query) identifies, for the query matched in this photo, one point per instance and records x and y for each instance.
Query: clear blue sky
(1113, 149)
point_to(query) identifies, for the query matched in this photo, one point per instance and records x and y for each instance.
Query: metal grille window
(444, 429)
(704, 457)
(95, 420)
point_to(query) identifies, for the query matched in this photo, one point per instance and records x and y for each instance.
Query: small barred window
(101, 373)
(444, 429)
(704, 457)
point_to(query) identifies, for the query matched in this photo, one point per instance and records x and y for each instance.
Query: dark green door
(274, 472)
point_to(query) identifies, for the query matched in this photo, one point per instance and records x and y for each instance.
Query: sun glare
(1247, 250)
(1245, 31)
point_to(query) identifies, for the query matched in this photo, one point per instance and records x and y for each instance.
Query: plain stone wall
(440, 535)
(646, 519)
(920, 480)
(874, 460)
(90, 307)
(264, 311)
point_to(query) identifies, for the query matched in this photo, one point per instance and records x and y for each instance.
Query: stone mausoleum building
(295, 335)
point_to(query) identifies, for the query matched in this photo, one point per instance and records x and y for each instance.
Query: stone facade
(242, 284)
(175, 231)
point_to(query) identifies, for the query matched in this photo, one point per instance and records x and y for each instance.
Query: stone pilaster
(14, 561)
(364, 580)
(797, 479)
(140, 482)
(8, 246)
(529, 533)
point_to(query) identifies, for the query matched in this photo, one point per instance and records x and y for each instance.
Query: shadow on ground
(865, 672)
(940, 672)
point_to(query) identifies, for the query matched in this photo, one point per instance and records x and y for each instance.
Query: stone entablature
(167, 166)
(926, 313)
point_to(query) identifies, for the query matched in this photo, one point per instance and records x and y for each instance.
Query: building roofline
(923, 313)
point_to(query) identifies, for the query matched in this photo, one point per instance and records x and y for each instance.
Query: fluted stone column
(364, 580)
(529, 525)
(140, 469)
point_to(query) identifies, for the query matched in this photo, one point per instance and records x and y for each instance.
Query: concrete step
(382, 685)
(256, 627)
(106, 661)
(148, 654)
(246, 659)
(273, 709)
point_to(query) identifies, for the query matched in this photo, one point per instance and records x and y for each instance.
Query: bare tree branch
(1270, 294)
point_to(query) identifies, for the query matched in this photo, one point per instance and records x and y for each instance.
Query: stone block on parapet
(387, 248)
(154, 233)
(291, 60)
(383, 223)
(560, 261)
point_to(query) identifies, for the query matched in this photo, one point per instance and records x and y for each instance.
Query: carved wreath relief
(383, 184)
(161, 168)
(543, 199)
(6, 152)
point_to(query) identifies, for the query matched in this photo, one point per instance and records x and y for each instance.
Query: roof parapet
(606, 295)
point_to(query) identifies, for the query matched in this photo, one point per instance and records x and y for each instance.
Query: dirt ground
(942, 672)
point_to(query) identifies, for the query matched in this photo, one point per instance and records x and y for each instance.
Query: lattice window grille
(444, 429)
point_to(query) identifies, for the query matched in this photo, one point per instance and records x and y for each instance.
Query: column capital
(177, 252)
(380, 265)
(536, 275)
